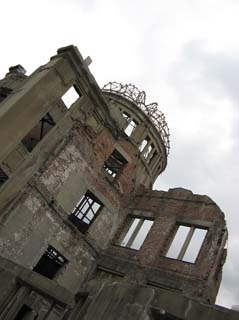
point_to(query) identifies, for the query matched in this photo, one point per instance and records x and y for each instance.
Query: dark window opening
(85, 211)
(3, 177)
(26, 313)
(38, 132)
(50, 263)
(4, 92)
(115, 163)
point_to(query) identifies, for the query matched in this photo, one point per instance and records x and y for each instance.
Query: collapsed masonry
(82, 234)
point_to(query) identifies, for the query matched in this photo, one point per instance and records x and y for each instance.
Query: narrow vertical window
(71, 96)
(3, 177)
(137, 232)
(85, 211)
(132, 125)
(144, 144)
(50, 263)
(187, 243)
(38, 132)
(148, 150)
(195, 245)
(115, 164)
(178, 241)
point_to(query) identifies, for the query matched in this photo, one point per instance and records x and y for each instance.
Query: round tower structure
(143, 124)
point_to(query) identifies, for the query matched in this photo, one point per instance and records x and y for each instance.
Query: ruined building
(82, 233)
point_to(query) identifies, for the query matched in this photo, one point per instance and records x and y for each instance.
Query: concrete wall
(103, 279)
(177, 206)
(44, 185)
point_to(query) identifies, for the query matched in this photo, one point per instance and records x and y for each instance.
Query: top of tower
(151, 110)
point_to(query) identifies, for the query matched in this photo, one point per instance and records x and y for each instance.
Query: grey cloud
(199, 80)
(200, 69)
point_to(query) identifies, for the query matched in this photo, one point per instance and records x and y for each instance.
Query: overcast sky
(184, 54)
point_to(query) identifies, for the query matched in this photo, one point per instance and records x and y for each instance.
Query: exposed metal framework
(132, 93)
(85, 211)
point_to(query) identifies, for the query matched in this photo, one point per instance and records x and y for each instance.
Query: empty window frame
(3, 177)
(50, 263)
(144, 144)
(85, 211)
(71, 96)
(4, 92)
(132, 124)
(115, 163)
(137, 232)
(148, 149)
(38, 132)
(26, 313)
(187, 243)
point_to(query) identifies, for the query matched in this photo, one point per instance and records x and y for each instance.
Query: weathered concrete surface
(200, 279)
(31, 227)
(105, 280)
(20, 286)
(46, 184)
(123, 300)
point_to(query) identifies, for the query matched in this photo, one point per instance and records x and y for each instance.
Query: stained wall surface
(61, 161)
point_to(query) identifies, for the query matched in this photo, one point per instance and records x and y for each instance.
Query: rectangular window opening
(71, 96)
(85, 211)
(144, 144)
(3, 177)
(50, 263)
(148, 151)
(132, 125)
(187, 243)
(115, 163)
(137, 233)
(26, 313)
(195, 245)
(38, 132)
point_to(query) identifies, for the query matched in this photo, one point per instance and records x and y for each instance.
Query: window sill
(179, 261)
